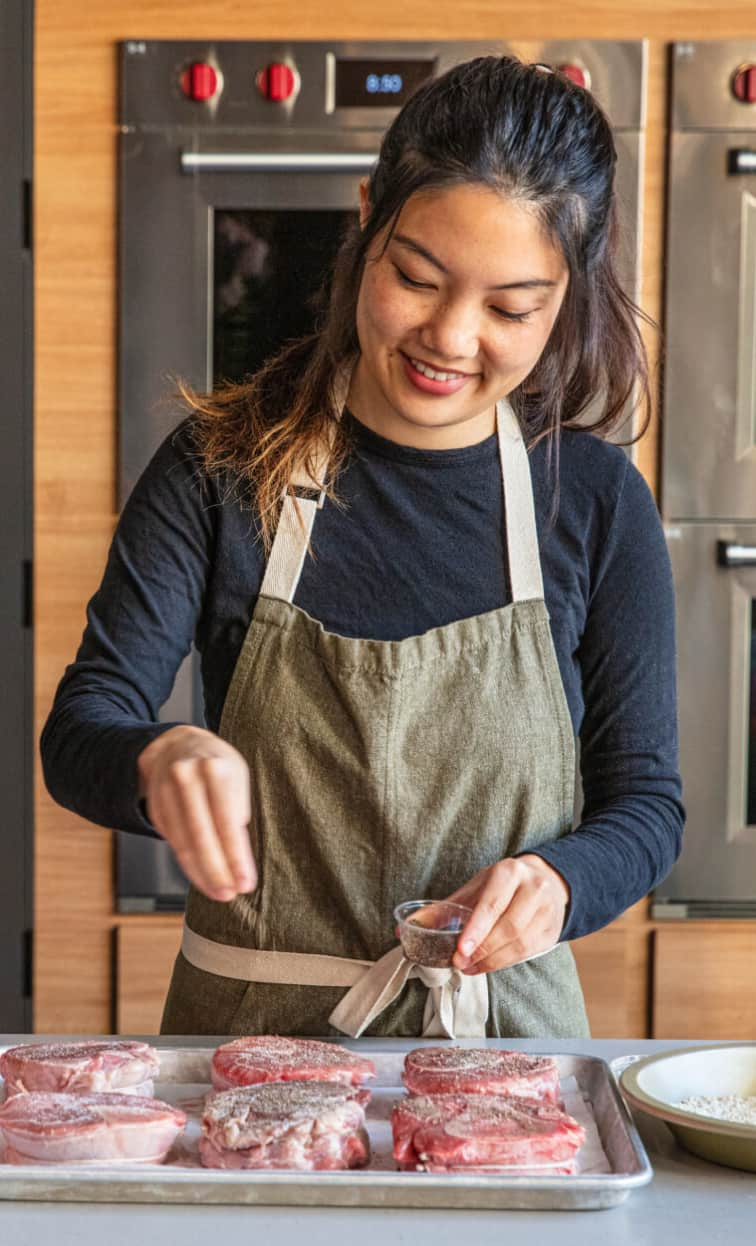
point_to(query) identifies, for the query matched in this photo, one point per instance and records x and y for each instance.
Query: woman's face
(452, 316)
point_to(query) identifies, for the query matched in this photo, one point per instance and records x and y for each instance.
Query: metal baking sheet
(185, 1077)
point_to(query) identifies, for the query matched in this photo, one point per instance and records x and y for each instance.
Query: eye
(415, 285)
(507, 315)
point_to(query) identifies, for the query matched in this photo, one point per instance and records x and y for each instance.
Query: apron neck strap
(297, 517)
(525, 578)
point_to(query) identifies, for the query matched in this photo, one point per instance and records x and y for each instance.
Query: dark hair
(530, 134)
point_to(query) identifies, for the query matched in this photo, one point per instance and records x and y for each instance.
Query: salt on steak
(444, 1133)
(80, 1068)
(308, 1126)
(40, 1128)
(480, 1071)
(267, 1058)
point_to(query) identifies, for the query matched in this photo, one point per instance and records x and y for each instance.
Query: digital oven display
(379, 83)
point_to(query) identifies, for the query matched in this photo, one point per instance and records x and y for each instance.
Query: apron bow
(456, 1005)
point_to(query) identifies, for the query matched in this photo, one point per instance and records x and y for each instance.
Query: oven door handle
(277, 161)
(732, 554)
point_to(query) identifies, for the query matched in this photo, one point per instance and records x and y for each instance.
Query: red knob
(199, 82)
(576, 74)
(744, 84)
(276, 82)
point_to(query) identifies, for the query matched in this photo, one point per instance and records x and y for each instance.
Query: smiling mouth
(437, 374)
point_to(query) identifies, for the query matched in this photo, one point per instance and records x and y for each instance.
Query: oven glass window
(268, 269)
(751, 761)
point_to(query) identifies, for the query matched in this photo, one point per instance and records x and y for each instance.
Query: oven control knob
(199, 82)
(277, 82)
(576, 74)
(744, 84)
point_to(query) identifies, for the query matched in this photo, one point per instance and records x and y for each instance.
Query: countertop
(689, 1201)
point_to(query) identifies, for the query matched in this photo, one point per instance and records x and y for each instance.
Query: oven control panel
(234, 85)
(714, 85)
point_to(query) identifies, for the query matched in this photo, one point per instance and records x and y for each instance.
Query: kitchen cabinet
(145, 950)
(703, 980)
(612, 968)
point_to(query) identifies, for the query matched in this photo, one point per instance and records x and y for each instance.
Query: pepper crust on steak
(441, 1133)
(270, 1058)
(87, 1067)
(301, 1125)
(480, 1071)
(42, 1128)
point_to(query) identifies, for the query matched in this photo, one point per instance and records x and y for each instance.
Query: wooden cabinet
(144, 954)
(704, 981)
(612, 964)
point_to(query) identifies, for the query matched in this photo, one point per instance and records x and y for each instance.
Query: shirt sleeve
(140, 627)
(631, 829)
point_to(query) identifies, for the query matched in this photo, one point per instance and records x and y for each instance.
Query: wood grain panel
(145, 951)
(601, 962)
(704, 981)
(75, 417)
(73, 859)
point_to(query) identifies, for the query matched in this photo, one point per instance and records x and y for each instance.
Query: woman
(398, 656)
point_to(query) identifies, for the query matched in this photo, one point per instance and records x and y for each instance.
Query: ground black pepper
(432, 948)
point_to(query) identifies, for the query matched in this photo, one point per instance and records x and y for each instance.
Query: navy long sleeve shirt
(419, 542)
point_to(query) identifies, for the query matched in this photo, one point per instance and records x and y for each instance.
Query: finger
(512, 937)
(537, 941)
(505, 958)
(493, 899)
(201, 846)
(166, 817)
(163, 813)
(227, 789)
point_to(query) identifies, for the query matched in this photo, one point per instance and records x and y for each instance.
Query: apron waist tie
(456, 1006)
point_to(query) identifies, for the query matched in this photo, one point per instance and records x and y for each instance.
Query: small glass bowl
(429, 930)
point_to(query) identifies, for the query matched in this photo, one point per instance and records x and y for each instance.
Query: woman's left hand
(518, 907)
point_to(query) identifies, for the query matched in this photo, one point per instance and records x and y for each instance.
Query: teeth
(432, 374)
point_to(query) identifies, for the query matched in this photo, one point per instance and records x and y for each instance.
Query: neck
(367, 405)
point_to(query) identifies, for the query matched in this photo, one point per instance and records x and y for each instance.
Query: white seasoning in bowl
(738, 1108)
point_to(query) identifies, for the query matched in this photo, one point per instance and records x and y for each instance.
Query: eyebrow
(531, 283)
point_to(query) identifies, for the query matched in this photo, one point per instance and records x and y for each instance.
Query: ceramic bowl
(656, 1084)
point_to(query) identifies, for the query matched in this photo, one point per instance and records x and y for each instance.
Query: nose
(452, 333)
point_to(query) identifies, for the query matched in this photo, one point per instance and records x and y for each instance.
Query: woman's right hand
(196, 787)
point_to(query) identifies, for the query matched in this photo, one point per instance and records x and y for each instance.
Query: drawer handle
(277, 162)
(741, 160)
(732, 554)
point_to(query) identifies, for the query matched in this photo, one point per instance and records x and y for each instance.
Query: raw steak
(480, 1071)
(443, 1133)
(266, 1058)
(39, 1128)
(80, 1068)
(302, 1125)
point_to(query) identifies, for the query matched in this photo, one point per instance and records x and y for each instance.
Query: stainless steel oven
(239, 170)
(709, 471)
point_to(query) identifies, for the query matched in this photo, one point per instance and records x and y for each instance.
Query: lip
(428, 386)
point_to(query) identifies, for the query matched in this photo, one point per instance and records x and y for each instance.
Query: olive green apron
(383, 771)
